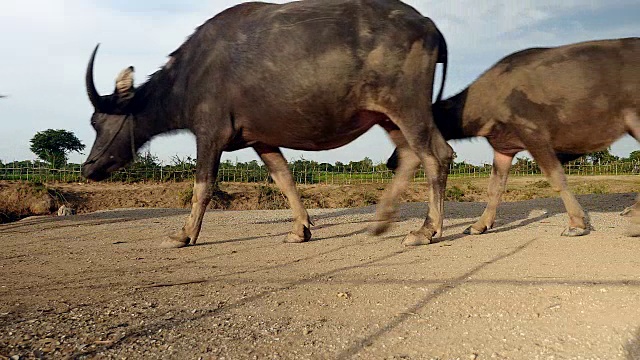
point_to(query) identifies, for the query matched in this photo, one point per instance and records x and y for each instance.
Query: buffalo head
(114, 122)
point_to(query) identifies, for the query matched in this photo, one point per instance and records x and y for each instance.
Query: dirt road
(96, 286)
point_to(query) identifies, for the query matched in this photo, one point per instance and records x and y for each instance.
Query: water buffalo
(558, 103)
(307, 75)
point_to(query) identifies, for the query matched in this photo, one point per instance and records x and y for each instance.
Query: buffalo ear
(124, 83)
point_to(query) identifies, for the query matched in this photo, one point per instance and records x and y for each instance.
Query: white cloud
(46, 44)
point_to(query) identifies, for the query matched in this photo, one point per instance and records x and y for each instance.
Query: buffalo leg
(436, 161)
(552, 168)
(497, 185)
(206, 172)
(634, 212)
(435, 154)
(406, 165)
(280, 173)
(633, 123)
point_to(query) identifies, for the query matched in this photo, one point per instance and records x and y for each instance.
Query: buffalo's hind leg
(420, 136)
(497, 184)
(436, 158)
(207, 165)
(280, 173)
(632, 119)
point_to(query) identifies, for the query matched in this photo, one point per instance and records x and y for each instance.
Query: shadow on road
(632, 348)
(508, 214)
(91, 219)
(443, 286)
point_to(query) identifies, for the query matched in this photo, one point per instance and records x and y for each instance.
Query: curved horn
(94, 97)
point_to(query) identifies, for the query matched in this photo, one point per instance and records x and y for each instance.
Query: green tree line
(52, 148)
(148, 167)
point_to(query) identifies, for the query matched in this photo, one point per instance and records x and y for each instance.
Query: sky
(46, 45)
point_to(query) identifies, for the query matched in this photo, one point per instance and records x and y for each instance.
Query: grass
(20, 199)
(541, 184)
(592, 189)
(271, 198)
(26, 199)
(185, 196)
(454, 193)
(219, 199)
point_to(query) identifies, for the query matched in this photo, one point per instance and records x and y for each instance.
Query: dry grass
(19, 199)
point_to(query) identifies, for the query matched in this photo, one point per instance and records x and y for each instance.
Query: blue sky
(46, 45)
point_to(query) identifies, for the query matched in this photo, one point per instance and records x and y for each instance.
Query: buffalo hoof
(415, 239)
(633, 231)
(575, 231)
(379, 228)
(634, 228)
(473, 231)
(176, 241)
(293, 238)
(173, 244)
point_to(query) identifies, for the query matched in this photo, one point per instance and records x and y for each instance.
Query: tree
(361, 166)
(525, 165)
(146, 160)
(634, 156)
(603, 156)
(53, 146)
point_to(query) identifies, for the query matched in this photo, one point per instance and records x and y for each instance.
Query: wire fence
(241, 173)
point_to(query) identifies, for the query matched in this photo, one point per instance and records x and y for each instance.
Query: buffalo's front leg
(545, 156)
(497, 184)
(279, 170)
(206, 170)
(406, 165)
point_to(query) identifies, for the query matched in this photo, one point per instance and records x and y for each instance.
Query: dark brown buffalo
(307, 75)
(557, 103)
